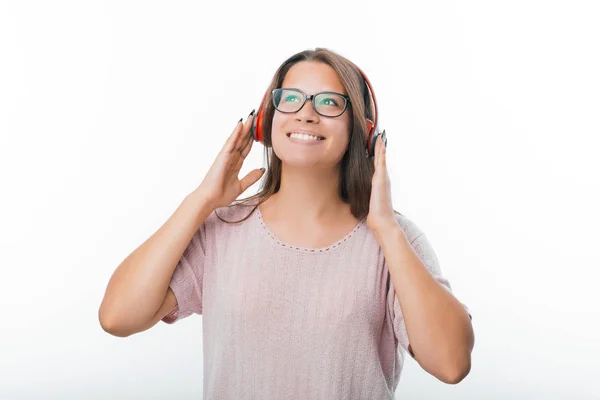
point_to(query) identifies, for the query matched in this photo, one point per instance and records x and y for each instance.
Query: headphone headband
(375, 123)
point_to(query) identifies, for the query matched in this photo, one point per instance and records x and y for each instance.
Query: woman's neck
(308, 195)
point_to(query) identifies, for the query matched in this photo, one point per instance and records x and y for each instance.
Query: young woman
(314, 287)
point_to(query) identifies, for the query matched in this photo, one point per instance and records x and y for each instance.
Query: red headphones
(370, 136)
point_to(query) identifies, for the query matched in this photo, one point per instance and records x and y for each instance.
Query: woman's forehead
(312, 77)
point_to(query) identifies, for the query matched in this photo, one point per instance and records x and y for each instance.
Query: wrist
(200, 201)
(389, 232)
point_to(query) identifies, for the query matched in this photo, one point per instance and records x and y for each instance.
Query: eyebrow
(327, 90)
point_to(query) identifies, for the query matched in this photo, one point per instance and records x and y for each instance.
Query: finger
(241, 156)
(382, 140)
(229, 145)
(247, 137)
(243, 137)
(377, 152)
(383, 152)
(247, 149)
(251, 178)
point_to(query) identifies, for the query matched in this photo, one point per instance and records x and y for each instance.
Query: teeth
(303, 136)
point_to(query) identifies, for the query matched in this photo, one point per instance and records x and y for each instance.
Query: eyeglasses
(327, 104)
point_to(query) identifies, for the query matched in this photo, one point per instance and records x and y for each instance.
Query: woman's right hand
(221, 185)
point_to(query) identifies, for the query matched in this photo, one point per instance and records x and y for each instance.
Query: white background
(112, 111)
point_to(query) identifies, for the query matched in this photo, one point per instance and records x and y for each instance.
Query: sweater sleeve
(186, 281)
(427, 255)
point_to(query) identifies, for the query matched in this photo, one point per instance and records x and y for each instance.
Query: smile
(304, 137)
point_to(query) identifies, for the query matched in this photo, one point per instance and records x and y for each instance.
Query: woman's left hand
(381, 211)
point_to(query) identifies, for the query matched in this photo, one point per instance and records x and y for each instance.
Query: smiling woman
(314, 287)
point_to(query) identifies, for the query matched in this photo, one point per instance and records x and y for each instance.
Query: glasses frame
(312, 100)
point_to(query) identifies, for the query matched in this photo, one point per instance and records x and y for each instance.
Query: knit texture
(288, 322)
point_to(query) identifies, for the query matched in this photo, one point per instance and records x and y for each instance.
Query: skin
(310, 174)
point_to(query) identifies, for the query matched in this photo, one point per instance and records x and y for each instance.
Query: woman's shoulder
(410, 228)
(233, 213)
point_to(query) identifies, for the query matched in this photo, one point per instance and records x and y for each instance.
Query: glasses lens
(330, 104)
(291, 100)
(287, 100)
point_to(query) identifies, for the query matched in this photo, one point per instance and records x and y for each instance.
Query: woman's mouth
(298, 136)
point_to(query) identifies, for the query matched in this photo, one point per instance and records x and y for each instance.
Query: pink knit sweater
(286, 322)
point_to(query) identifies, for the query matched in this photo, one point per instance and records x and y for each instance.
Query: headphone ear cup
(369, 137)
(257, 133)
(370, 127)
(372, 145)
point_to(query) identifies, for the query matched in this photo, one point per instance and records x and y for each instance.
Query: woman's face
(311, 78)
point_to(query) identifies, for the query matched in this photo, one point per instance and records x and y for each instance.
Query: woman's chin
(305, 163)
(307, 158)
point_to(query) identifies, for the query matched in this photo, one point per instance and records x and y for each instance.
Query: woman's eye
(329, 102)
(290, 98)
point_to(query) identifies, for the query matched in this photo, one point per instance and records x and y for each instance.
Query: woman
(311, 287)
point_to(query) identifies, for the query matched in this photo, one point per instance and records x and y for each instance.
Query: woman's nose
(307, 113)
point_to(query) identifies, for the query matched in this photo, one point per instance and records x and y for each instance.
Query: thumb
(251, 178)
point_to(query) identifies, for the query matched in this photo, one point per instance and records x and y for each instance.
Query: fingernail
(240, 120)
(262, 169)
(252, 112)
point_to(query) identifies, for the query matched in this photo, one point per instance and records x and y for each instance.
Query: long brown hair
(356, 172)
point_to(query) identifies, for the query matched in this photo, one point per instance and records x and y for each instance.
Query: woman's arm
(138, 292)
(438, 326)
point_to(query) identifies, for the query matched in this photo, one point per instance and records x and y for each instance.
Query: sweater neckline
(325, 249)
